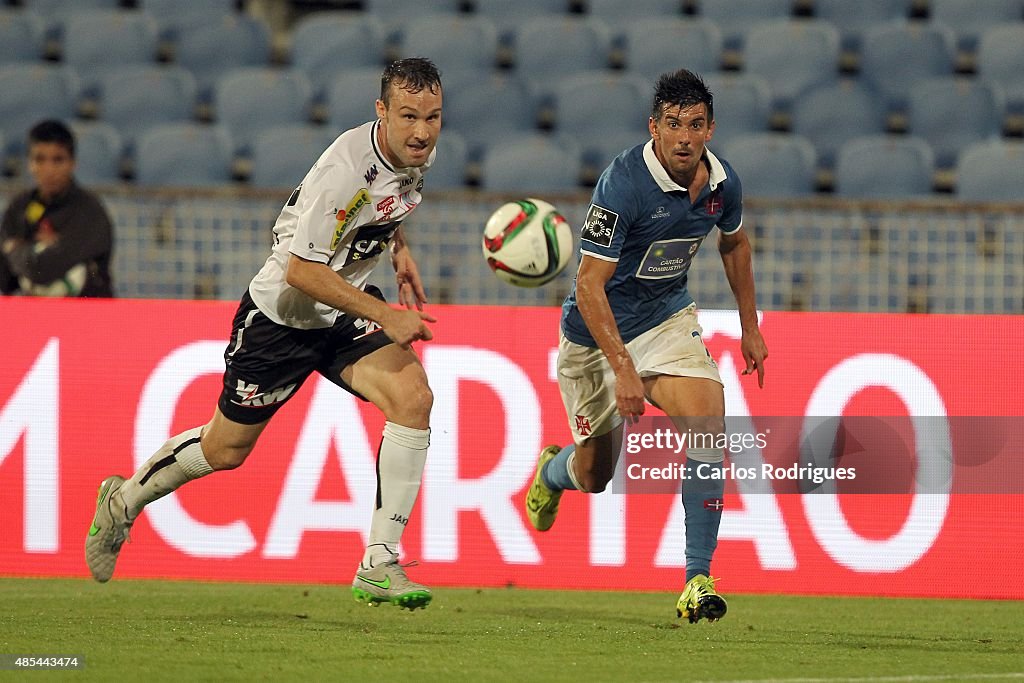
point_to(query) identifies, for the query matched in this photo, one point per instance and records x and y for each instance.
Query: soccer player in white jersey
(309, 309)
(629, 329)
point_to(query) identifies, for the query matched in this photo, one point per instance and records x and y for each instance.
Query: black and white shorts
(266, 363)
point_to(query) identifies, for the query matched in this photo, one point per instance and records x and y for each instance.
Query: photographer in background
(56, 239)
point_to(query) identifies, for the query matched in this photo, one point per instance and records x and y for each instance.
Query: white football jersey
(343, 214)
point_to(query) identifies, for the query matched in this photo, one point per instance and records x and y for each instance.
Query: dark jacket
(85, 236)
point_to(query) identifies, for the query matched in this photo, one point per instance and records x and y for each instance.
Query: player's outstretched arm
(318, 281)
(411, 292)
(735, 251)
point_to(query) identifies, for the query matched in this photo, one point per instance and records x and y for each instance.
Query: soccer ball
(527, 242)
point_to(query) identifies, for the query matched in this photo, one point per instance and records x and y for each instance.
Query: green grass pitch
(175, 631)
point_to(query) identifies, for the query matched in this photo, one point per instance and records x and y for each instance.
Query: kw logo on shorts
(251, 396)
(347, 216)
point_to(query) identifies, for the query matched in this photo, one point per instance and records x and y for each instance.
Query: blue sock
(702, 501)
(555, 473)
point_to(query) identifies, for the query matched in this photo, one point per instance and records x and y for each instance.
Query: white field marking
(884, 679)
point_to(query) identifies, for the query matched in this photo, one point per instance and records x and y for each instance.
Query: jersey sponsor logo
(406, 182)
(583, 425)
(370, 241)
(250, 395)
(385, 207)
(345, 217)
(599, 226)
(668, 258)
(660, 213)
(371, 174)
(713, 204)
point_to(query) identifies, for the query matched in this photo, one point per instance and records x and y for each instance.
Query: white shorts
(587, 381)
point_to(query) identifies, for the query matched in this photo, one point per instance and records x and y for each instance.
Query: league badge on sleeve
(599, 227)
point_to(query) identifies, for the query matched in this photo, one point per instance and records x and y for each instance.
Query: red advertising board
(91, 388)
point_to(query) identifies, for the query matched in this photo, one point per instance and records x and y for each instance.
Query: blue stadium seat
(548, 48)
(99, 40)
(969, 19)
(397, 14)
(793, 56)
(1000, 58)
(210, 50)
(174, 17)
(603, 150)
(32, 92)
(453, 41)
(21, 36)
(742, 105)
(854, 18)
(831, 115)
(593, 103)
(54, 10)
(655, 46)
(531, 163)
(183, 155)
(133, 98)
(98, 153)
(884, 167)
(618, 13)
(282, 155)
(894, 56)
(737, 17)
(773, 164)
(250, 99)
(448, 172)
(508, 16)
(991, 171)
(351, 96)
(494, 107)
(325, 43)
(952, 112)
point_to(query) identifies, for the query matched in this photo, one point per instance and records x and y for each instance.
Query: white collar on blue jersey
(666, 183)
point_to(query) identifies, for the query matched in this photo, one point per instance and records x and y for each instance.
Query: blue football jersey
(645, 222)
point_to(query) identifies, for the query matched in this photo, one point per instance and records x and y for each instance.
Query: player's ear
(381, 109)
(711, 130)
(652, 126)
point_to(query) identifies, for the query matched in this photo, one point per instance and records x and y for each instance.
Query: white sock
(403, 453)
(179, 460)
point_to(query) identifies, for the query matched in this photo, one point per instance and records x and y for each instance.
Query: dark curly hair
(412, 73)
(681, 89)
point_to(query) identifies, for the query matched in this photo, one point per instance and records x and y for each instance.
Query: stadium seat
(325, 43)
(133, 98)
(248, 100)
(999, 60)
(54, 10)
(282, 155)
(99, 40)
(737, 17)
(852, 19)
(952, 112)
(174, 17)
(21, 36)
(210, 50)
(654, 46)
(508, 16)
(884, 167)
(991, 171)
(183, 155)
(969, 19)
(894, 56)
(32, 92)
(742, 105)
(98, 152)
(448, 172)
(351, 96)
(396, 14)
(601, 151)
(453, 41)
(548, 48)
(494, 107)
(773, 164)
(830, 115)
(618, 13)
(530, 163)
(792, 56)
(591, 104)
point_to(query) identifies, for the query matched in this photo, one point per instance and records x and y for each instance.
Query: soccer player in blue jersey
(629, 329)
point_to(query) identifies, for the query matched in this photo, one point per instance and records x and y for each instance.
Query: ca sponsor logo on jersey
(251, 396)
(345, 217)
(599, 226)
